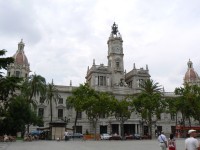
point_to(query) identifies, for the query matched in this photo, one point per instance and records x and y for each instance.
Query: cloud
(63, 37)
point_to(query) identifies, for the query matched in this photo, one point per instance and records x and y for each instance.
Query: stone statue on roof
(114, 29)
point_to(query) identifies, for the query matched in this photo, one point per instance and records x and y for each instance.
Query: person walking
(66, 135)
(162, 141)
(191, 143)
(171, 142)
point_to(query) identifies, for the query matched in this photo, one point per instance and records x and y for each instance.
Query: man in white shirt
(162, 141)
(192, 143)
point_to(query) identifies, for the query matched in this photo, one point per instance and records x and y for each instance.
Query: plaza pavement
(87, 145)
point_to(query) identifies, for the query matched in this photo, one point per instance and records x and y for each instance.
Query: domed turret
(20, 67)
(191, 76)
(19, 56)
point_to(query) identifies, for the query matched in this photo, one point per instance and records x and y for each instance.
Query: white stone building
(111, 78)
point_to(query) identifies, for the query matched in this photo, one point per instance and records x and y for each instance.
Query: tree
(122, 113)
(188, 102)
(99, 104)
(18, 115)
(172, 106)
(8, 85)
(78, 98)
(149, 103)
(51, 95)
(33, 86)
(4, 62)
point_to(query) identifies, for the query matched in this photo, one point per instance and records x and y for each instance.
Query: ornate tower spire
(21, 45)
(190, 64)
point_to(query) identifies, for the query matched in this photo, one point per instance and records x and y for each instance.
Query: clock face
(116, 49)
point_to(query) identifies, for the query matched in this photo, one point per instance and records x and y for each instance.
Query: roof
(20, 57)
(191, 74)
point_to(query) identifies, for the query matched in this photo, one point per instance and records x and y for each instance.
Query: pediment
(102, 67)
(60, 106)
(41, 106)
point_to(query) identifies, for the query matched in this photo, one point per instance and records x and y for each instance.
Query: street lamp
(66, 121)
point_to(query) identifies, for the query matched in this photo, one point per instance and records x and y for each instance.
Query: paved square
(87, 145)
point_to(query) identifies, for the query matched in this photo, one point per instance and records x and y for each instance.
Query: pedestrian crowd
(191, 143)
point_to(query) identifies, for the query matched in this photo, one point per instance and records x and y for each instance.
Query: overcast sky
(62, 37)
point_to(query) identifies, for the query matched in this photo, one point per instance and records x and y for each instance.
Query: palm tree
(37, 85)
(33, 86)
(149, 102)
(149, 87)
(51, 95)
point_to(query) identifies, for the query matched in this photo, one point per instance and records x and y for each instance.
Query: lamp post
(66, 121)
(141, 122)
(110, 125)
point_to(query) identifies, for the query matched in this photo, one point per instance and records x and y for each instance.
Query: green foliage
(18, 115)
(4, 62)
(79, 97)
(122, 110)
(149, 102)
(188, 101)
(95, 104)
(51, 95)
(99, 104)
(8, 85)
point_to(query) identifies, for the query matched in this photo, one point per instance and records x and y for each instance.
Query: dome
(191, 74)
(20, 57)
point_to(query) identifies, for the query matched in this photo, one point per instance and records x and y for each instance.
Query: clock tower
(115, 56)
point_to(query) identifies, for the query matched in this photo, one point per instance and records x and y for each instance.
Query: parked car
(134, 136)
(115, 137)
(36, 132)
(75, 135)
(129, 137)
(137, 136)
(105, 136)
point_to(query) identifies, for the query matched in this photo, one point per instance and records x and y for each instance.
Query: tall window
(41, 100)
(140, 81)
(17, 74)
(102, 80)
(60, 101)
(117, 64)
(41, 112)
(130, 84)
(159, 116)
(79, 115)
(172, 116)
(102, 116)
(79, 129)
(60, 113)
